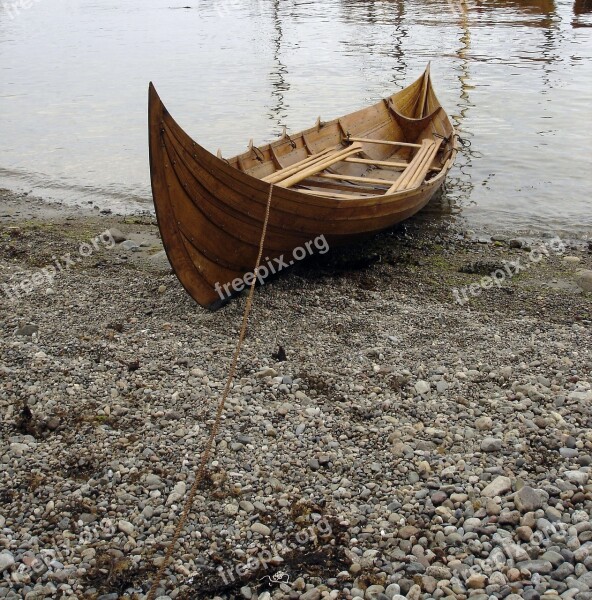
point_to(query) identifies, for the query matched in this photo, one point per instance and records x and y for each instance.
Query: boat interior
(393, 146)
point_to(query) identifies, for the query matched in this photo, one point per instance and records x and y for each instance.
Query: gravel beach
(403, 424)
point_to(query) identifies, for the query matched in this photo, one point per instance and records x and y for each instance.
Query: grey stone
(499, 486)
(584, 279)
(576, 477)
(372, 591)
(553, 557)
(536, 566)
(484, 423)
(260, 528)
(491, 444)
(392, 590)
(129, 245)
(27, 330)
(439, 572)
(313, 594)
(126, 527)
(563, 571)
(527, 499)
(115, 235)
(422, 387)
(6, 560)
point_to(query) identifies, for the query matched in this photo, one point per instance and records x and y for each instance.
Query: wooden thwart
(383, 142)
(355, 178)
(380, 163)
(335, 194)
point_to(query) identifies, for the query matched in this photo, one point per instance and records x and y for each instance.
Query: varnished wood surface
(210, 210)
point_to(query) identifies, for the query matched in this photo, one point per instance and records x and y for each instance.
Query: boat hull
(210, 213)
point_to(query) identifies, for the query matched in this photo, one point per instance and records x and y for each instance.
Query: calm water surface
(516, 76)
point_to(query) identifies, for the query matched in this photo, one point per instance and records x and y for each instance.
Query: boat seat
(418, 167)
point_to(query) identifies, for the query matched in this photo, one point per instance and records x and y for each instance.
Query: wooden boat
(341, 179)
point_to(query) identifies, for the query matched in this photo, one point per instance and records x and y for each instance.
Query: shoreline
(437, 438)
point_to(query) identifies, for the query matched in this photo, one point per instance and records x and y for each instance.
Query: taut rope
(205, 457)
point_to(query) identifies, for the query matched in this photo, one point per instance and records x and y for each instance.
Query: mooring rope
(205, 457)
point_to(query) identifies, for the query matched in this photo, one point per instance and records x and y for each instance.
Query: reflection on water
(582, 13)
(279, 80)
(514, 75)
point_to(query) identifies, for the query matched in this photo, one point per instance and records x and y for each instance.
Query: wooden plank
(334, 194)
(319, 166)
(423, 169)
(276, 160)
(382, 142)
(382, 163)
(408, 173)
(307, 145)
(354, 178)
(291, 169)
(424, 93)
(341, 186)
(417, 167)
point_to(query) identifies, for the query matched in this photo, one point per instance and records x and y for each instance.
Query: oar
(403, 180)
(291, 169)
(321, 165)
(423, 169)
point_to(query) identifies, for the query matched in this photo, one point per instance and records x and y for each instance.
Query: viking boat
(339, 180)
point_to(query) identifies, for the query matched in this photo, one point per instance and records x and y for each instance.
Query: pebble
(422, 387)
(126, 527)
(260, 528)
(527, 499)
(491, 444)
(372, 591)
(130, 245)
(116, 235)
(536, 566)
(476, 581)
(577, 477)
(484, 423)
(6, 560)
(499, 486)
(446, 449)
(27, 330)
(314, 594)
(584, 279)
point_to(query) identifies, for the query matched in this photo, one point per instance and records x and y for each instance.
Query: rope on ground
(205, 457)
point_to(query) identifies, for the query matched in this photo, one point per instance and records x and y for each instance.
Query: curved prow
(422, 100)
(418, 101)
(182, 225)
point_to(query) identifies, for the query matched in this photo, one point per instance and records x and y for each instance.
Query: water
(515, 75)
